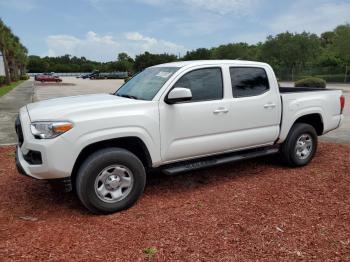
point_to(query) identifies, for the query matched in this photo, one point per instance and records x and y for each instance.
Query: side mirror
(178, 94)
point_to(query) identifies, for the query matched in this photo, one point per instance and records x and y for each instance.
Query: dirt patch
(253, 210)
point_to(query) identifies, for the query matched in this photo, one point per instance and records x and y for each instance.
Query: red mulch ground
(253, 210)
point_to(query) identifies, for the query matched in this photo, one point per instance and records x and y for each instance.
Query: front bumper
(55, 161)
(61, 184)
(19, 167)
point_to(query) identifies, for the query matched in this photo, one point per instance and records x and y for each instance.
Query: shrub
(311, 82)
(2, 80)
(24, 77)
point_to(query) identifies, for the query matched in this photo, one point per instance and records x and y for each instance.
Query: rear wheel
(300, 146)
(110, 180)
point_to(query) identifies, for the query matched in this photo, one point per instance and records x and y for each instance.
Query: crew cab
(173, 117)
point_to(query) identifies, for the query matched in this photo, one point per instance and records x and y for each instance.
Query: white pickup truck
(174, 117)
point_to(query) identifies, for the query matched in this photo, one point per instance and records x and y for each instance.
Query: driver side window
(205, 84)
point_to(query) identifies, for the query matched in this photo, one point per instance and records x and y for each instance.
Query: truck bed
(299, 101)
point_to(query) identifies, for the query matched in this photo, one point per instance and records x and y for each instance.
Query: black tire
(289, 147)
(93, 166)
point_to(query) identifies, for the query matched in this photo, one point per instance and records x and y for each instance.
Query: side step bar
(186, 166)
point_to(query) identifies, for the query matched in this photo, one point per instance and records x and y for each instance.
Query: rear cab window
(248, 81)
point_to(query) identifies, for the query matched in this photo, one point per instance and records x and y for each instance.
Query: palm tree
(4, 34)
(13, 52)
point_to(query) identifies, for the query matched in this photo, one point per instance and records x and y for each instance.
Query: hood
(65, 107)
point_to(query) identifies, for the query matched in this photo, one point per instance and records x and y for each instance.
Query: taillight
(342, 103)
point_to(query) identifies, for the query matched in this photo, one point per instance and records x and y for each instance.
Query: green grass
(7, 88)
(150, 252)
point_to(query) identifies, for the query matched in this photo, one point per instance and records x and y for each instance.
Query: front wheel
(110, 180)
(300, 146)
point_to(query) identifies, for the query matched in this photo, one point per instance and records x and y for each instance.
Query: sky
(100, 29)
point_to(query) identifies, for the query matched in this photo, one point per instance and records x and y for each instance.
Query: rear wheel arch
(315, 120)
(295, 143)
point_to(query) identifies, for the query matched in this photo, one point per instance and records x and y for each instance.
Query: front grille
(19, 132)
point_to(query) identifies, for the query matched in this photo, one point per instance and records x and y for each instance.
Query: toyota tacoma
(173, 117)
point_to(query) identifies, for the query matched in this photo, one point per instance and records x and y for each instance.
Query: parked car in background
(90, 75)
(46, 74)
(110, 75)
(173, 117)
(48, 78)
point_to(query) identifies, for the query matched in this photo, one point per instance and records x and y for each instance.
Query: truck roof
(210, 62)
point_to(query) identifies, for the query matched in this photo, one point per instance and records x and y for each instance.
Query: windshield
(146, 84)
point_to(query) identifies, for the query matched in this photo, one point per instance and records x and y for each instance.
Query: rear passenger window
(205, 84)
(248, 81)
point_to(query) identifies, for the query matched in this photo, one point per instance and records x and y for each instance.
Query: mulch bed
(253, 210)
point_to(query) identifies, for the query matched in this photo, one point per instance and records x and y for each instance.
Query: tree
(291, 51)
(341, 43)
(13, 52)
(125, 63)
(234, 51)
(198, 54)
(125, 57)
(147, 59)
(4, 38)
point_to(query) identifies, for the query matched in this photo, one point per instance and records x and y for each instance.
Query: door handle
(269, 105)
(220, 110)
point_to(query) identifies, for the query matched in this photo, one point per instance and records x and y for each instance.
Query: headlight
(49, 129)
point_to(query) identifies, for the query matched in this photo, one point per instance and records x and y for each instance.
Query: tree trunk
(12, 69)
(6, 66)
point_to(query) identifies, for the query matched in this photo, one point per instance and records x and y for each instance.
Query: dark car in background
(90, 75)
(110, 75)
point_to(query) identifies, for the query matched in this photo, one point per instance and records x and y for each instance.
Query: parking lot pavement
(31, 91)
(9, 106)
(71, 86)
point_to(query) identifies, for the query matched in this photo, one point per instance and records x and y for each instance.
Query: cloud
(106, 47)
(312, 17)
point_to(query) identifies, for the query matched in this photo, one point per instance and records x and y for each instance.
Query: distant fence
(330, 74)
(75, 74)
(61, 74)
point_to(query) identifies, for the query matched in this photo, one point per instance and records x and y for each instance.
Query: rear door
(255, 107)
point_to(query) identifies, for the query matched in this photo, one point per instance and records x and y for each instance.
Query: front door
(196, 127)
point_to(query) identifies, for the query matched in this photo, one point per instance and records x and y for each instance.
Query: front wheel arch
(89, 182)
(133, 144)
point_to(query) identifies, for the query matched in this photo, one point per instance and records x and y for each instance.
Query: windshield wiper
(128, 96)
